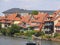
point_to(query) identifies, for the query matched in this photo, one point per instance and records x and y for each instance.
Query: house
(51, 23)
(35, 21)
(9, 19)
(57, 22)
(46, 22)
(57, 27)
(48, 25)
(12, 16)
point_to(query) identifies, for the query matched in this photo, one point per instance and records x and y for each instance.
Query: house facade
(40, 22)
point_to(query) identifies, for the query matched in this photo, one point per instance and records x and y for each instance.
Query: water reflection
(19, 41)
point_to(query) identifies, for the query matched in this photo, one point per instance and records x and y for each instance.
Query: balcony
(35, 24)
(58, 31)
(48, 24)
(36, 28)
(47, 29)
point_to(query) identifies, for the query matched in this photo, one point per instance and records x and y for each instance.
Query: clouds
(27, 0)
(30, 4)
(5, 0)
(19, 0)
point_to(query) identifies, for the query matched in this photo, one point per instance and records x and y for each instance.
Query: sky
(29, 4)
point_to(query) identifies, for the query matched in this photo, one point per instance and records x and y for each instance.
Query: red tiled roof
(55, 18)
(25, 18)
(55, 15)
(40, 17)
(37, 18)
(11, 16)
(17, 19)
(2, 21)
(2, 17)
(58, 24)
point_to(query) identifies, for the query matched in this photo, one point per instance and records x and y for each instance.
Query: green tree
(39, 34)
(56, 35)
(3, 31)
(29, 33)
(34, 12)
(14, 29)
(30, 27)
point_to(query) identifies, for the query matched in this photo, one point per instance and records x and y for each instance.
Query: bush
(48, 37)
(21, 32)
(14, 29)
(29, 32)
(3, 31)
(17, 34)
(39, 34)
(56, 35)
(10, 31)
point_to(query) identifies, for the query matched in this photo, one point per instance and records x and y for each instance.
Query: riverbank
(21, 37)
(52, 39)
(34, 38)
(18, 41)
(55, 39)
(40, 38)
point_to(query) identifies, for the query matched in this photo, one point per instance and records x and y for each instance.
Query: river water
(19, 41)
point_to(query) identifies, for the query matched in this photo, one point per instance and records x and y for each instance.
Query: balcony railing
(48, 24)
(47, 29)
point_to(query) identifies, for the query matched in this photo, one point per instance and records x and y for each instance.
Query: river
(18, 41)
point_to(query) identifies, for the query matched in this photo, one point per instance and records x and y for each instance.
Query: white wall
(16, 22)
(3, 25)
(55, 22)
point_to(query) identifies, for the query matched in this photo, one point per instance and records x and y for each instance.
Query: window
(58, 27)
(48, 23)
(49, 18)
(38, 22)
(5, 25)
(27, 25)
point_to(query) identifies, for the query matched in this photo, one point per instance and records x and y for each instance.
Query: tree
(56, 35)
(34, 12)
(14, 29)
(39, 34)
(30, 27)
(3, 31)
(29, 33)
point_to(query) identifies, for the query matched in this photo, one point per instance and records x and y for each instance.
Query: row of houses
(49, 23)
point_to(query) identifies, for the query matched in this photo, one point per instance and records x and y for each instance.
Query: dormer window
(49, 18)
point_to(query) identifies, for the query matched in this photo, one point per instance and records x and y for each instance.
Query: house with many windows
(35, 21)
(9, 19)
(43, 21)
